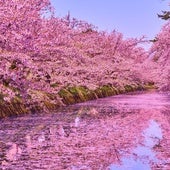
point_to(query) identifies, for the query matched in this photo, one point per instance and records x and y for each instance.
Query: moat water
(124, 132)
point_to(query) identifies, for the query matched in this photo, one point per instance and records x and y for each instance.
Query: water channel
(124, 132)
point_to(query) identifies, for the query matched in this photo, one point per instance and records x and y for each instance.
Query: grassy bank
(68, 95)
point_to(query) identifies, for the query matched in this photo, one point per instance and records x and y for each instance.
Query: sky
(133, 18)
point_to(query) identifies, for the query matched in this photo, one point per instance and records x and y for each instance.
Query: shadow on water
(117, 133)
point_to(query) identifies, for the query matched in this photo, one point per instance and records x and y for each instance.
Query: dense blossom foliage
(40, 53)
(160, 53)
(20, 23)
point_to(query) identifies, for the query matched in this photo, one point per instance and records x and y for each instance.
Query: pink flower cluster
(39, 53)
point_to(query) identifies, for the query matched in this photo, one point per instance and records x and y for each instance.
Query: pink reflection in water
(13, 151)
(141, 100)
(143, 155)
(127, 131)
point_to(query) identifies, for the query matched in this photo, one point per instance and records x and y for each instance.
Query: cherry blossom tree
(160, 53)
(41, 54)
(21, 21)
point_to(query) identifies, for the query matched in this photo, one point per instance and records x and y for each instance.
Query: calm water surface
(124, 132)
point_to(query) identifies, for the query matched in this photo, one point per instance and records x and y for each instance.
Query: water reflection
(97, 135)
(28, 142)
(143, 155)
(41, 138)
(13, 151)
(77, 121)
